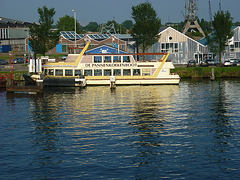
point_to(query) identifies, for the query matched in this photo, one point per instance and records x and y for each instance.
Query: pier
(29, 89)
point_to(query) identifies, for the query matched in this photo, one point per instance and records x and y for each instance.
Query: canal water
(190, 131)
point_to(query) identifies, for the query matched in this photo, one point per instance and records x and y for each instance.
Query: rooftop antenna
(191, 18)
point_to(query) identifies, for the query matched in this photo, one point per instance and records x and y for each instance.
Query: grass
(206, 72)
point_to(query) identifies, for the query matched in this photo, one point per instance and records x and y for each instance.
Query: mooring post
(112, 82)
(212, 77)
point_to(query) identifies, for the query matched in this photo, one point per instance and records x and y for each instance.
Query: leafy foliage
(93, 27)
(43, 38)
(222, 25)
(67, 23)
(127, 24)
(147, 26)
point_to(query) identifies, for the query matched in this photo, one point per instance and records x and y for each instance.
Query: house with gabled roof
(233, 48)
(181, 47)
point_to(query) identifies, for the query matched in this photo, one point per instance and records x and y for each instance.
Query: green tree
(67, 23)
(93, 27)
(127, 24)
(147, 25)
(43, 38)
(222, 25)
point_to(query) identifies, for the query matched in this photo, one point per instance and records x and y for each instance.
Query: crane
(220, 6)
(210, 15)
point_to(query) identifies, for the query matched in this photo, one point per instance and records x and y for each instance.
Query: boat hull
(149, 81)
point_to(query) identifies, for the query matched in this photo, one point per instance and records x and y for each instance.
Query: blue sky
(101, 11)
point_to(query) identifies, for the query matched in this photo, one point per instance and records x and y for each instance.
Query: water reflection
(46, 124)
(150, 114)
(135, 132)
(221, 128)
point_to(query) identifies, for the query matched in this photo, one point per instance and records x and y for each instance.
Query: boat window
(97, 72)
(136, 72)
(107, 72)
(78, 72)
(68, 72)
(126, 59)
(46, 71)
(127, 72)
(88, 72)
(116, 59)
(117, 72)
(50, 72)
(107, 59)
(97, 59)
(146, 72)
(58, 72)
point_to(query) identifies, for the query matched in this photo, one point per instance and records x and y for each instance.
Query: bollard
(212, 77)
(112, 82)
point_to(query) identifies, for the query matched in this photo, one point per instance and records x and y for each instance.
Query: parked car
(191, 63)
(211, 62)
(227, 63)
(18, 61)
(234, 61)
(204, 64)
(3, 62)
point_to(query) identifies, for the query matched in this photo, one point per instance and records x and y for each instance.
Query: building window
(117, 72)
(4, 34)
(68, 72)
(97, 72)
(78, 72)
(64, 48)
(169, 47)
(163, 46)
(127, 72)
(97, 59)
(88, 72)
(107, 72)
(58, 72)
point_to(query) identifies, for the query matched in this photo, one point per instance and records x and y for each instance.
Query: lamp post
(12, 62)
(75, 24)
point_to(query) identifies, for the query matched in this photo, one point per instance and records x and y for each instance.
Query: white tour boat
(98, 69)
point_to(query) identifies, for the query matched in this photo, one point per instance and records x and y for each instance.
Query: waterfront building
(123, 42)
(233, 48)
(14, 33)
(181, 47)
